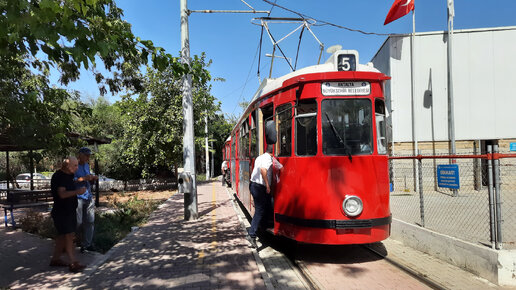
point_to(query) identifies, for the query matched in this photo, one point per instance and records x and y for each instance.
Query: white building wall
(483, 79)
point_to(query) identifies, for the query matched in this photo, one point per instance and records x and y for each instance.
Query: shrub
(35, 222)
(110, 227)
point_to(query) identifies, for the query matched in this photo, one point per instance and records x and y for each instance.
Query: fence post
(477, 166)
(496, 164)
(490, 186)
(391, 172)
(420, 179)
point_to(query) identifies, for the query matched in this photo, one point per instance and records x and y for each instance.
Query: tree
(220, 131)
(73, 34)
(153, 121)
(32, 112)
(67, 35)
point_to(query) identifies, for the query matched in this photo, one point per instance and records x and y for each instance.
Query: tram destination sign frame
(346, 88)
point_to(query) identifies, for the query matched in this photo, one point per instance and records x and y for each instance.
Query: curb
(259, 262)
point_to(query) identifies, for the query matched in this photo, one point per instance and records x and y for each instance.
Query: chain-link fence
(470, 197)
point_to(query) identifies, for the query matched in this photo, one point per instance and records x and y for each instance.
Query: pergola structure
(7, 146)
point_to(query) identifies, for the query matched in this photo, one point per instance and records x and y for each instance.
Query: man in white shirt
(260, 188)
(224, 169)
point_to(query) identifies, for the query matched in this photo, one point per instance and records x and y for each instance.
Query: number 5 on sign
(344, 64)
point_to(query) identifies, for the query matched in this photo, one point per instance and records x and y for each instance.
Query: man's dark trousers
(260, 196)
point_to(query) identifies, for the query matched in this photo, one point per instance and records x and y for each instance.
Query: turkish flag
(399, 9)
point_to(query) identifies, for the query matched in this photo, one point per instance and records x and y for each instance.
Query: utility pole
(451, 114)
(206, 144)
(212, 168)
(190, 199)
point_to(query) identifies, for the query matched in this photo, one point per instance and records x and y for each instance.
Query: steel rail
(419, 276)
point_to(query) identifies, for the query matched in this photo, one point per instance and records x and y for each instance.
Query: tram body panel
(315, 191)
(308, 199)
(243, 185)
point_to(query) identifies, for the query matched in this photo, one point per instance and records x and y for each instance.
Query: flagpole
(412, 89)
(451, 117)
(451, 123)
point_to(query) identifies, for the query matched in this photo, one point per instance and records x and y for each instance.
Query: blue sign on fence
(448, 176)
(513, 146)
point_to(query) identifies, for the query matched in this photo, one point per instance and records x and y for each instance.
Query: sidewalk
(209, 253)
(167, 252)
(24, 260)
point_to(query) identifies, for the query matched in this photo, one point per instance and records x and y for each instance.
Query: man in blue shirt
(86, 206)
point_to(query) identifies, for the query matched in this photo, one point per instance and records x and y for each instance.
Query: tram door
(233, 162)
(258, 144)
(243, 164)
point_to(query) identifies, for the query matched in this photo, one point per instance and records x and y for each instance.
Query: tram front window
(346, 126)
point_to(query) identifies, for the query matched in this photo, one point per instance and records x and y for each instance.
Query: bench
(13, 199)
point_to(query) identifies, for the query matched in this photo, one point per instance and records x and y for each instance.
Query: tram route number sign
(513, 146)
(448, 176)
(346, 88)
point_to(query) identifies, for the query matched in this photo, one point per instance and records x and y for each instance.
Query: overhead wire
(324, 22)
(246, 81)
(258, 51)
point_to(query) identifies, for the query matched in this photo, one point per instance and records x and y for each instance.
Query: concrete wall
(496, 266)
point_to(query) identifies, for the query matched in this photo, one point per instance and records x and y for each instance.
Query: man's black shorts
(65, 224)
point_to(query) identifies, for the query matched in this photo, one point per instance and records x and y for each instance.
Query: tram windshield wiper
(346, 147)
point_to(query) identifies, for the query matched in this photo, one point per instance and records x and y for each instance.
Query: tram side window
(267, 115)
(346, 126)
(240, 143)
(254, 135)
(284, 117)
(233, 146)
(244, 139)
(379, 110)
(306, 128)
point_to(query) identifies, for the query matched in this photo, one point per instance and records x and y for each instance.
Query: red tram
(330, 123)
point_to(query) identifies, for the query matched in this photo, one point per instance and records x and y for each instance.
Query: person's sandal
(58, 263)
(75, 267)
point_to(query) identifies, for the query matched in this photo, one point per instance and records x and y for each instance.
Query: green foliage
(34, 115)
(103, 120)
(35, 223)
(152, 136)
(67, 35)
(112, 227)
(74, 34)
(220, 130)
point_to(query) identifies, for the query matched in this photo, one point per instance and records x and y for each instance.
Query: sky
(231, 41)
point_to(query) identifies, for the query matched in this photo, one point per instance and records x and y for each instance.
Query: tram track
(418, 275)
(357, 269)
(279, 255)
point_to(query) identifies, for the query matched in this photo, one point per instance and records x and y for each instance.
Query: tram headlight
(352, 205)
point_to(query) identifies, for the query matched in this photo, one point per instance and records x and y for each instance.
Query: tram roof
(270, 84)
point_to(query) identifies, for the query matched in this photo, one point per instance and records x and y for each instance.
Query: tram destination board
(346, 88)
(448, 176)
